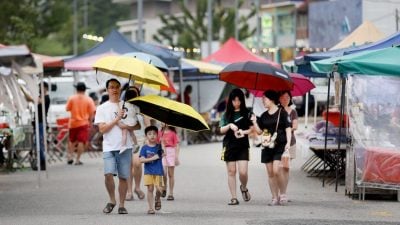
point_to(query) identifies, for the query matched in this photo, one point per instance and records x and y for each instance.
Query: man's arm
(107, 126)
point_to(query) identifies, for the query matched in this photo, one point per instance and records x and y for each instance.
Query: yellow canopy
(365, 33)
(204, 67)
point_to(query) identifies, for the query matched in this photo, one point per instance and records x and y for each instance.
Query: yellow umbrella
(170, 112)
(129, 67)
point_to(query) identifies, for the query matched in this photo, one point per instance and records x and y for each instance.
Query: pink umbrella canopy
(301, 85)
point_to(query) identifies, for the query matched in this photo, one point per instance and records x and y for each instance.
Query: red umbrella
(301, 85)
(256, 76)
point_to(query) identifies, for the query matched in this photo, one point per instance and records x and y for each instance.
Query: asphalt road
(76, 195)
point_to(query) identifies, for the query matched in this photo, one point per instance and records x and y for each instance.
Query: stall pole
(37, 137)
(44, 123)
(342, 104)
(326, 127)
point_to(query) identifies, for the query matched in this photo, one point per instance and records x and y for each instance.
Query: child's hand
(177, 161)
(155, 157)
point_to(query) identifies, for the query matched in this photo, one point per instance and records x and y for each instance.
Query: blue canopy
(303, 63)
(116, 43)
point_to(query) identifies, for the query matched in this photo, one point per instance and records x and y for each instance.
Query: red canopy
(233, 51)
(49, 61)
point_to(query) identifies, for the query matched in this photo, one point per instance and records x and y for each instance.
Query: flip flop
(170, 198)
(151, 211)
(234, 201)
(122, 210)
(245, 194)
(109, 208)
(140, 194)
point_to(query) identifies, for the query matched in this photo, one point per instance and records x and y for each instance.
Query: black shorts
(235, 154)
(270, 154)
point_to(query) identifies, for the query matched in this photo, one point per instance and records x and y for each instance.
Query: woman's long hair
(229, 107)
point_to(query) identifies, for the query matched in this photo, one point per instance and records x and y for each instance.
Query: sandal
(109, 208)
(283, 200)
(140, 194)
(157, 203)
(164, 193)
(170, 198)
(245, 194)
(151, 211)
(274, 202)
(129, 197)
(122, 210)
(234, 201)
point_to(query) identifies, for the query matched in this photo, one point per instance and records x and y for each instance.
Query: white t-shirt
(131, 112)
(105, 113)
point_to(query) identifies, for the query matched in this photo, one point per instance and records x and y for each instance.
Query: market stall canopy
(116, 44)
(367, 32)
(303, 62)
(375, 62)
(202, 67)
(49, 61)
(233, 51)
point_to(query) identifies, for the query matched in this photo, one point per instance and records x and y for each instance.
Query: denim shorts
(118, 164)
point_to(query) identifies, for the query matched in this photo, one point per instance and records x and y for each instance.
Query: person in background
(108, 116)
(41, 120)
(273, 122)
(186, 95)
(138, 139)
(236, 126)
(170, 143)
(151, 154)
(82, 109)
(286, 102)
(95, 98)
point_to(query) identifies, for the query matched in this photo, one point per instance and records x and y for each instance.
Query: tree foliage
(46, 26)
(189, 30)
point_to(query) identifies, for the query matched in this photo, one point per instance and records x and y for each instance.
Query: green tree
(46, 26)
(189, 30)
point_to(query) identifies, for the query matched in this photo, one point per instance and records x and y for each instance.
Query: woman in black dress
(274, 120)
(236, 126)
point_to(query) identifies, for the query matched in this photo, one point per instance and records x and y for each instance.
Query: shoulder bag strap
(277, 122)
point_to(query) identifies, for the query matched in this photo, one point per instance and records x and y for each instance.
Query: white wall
(381, 14)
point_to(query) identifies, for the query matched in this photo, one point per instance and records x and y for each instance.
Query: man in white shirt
(108, 116)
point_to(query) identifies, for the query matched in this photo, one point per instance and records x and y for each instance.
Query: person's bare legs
(124, 137)
(110, 186)
(80, 150)
(71, 149)
(171, 182)
(137, 173)
(129, 192)
(150, 196)
(272, 170)
(231, 169)
(122, 188)
(243, 172)
(165, 179)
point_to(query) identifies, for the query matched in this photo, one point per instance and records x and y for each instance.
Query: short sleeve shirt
(154, 167)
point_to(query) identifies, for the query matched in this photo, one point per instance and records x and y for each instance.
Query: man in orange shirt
(82, 109)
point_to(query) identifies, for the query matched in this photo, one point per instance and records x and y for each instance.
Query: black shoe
(70, 162)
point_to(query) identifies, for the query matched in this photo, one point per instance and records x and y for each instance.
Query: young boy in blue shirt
(151, 155)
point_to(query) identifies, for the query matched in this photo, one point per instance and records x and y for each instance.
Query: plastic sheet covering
(374, 111)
